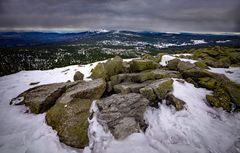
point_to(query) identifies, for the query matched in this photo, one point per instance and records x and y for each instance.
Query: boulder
(78, 76)
(40, 98)
(177, 103)
(84, 90)
(122, 114)
(208, 83)
(219, 99)
(147, 57)
(162, 87)
(201, 65)
(183, 66)
(106, 70)
(233, 91)
(148, 93)
(71, 121)
(141, 77)
(158, 57)
(128, 87)
(141, 65)
(173, 64)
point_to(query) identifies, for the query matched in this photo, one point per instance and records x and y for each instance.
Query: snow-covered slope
(199, 128)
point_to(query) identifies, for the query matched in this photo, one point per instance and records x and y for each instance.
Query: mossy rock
(141, 65)
(148, 93)
(173, 64)
(106, 70)
(196, 73)
(162, 87)
(212, 53)
(234, 92)
(158, 57)
(208, 83)
(71, 122)
(234, 58)
(147, 57)
(201, 65)
(183, 66)
(219, 99)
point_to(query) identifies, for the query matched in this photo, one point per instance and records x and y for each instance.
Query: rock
(78, 76)
(162, 87)
(147, 57)
(158, 57)
(141, 65)
(141, 77)
(71, 121)
(216, 64)
(183, 66)
(39, 99)
(148, 93)
(34, 83)
(196, 73)
(208, 83)
(233, 91)
(201, 64)
(128, 87)
(219, 99)
(106, 70)
(84, 90)
(177, 103)
(122, 114)
(173, 64)
(189, 80)
(180, 81)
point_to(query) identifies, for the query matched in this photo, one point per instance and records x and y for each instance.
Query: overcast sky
(143, 15)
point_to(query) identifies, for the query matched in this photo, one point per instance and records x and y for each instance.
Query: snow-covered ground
(199, 128)
(167, 58)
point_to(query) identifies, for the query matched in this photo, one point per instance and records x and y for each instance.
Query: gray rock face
(39, 99)
(78, 76)
(177, 103)
(122, 114)
(129, 87)
(84, 90)
(183, 66)
(172, 64)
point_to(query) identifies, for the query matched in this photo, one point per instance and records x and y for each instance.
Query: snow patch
(233, 73)
(167, 58)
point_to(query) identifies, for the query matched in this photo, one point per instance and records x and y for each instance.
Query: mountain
(47, 50)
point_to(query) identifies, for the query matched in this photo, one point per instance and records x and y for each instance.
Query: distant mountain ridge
(33, 39)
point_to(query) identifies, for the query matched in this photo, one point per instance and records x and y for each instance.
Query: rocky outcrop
(173, 64)
(129, 87)
(106, 70)
(177, 103)
(201, 64)
(122, 114)
(39, 99)
(84, 90)
(183, 66)
(70, 120)
(141, 65)
(141, 77)
(78, 76)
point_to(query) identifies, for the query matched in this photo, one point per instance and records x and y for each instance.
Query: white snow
(197, 42)
(233, 73)
(222, 41)
(199, 128)
(167, 58)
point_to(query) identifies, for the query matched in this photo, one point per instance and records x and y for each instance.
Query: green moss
(163, 88)
(158, 57)
(148, 57)
(70, 121)
(141, 65)
(234, 92)
(172, 64)
(148, 93)
(108, 69)
(201, 64)
(208, 83)
(219, 99)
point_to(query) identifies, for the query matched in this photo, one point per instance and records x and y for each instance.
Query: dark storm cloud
(157, 15)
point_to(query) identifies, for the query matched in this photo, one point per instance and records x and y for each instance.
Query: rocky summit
(124, 90)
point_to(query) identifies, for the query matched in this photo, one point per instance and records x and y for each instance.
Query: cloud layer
(155, 15)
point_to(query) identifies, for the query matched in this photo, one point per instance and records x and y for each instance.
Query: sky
(138, 15)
